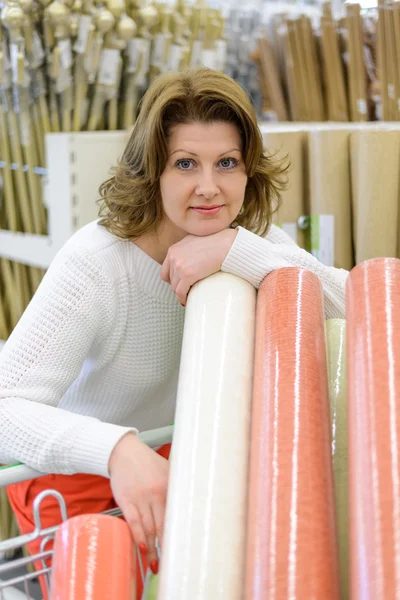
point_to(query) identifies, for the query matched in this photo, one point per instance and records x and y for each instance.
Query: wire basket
(9, 570)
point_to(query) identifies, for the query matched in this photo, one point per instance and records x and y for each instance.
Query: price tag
(157, 58)
(209, 59)
(142, 76)
(14, 61)
(63, 81)
(134, 51)
(362, 106)
(65, 53)
(25, 130)
(174, 58)
(322, 238)
(108, 70)
(221, 54)
(83, 34)
(196, 53)
(291, 230)
(37, 49)
(16, 106)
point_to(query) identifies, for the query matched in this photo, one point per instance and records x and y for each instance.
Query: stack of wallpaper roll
(342, 69)
(345, 180)
(259, 505)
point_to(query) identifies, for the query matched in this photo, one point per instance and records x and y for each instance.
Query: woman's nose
(207, 185)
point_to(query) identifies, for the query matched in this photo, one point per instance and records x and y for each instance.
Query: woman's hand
(139, 479)
(195, 258)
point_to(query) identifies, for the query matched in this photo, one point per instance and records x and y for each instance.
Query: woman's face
(204, 181)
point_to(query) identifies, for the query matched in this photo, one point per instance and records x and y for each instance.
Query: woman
(95, 357)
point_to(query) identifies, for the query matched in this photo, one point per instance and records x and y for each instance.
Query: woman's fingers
(182, 290)
(133, 518)
(150, 531)
(142, 526)
(159, 516)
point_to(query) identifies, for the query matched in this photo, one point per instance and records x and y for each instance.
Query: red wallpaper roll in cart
(93, 560)
(291, 545)
(373, 363)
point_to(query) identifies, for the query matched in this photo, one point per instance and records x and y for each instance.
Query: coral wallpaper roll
(375, 160)
(291, 144)
(373, 351)
(93, 560)
(291, 537)
(204, 540)
(330, 187)
(337, 380)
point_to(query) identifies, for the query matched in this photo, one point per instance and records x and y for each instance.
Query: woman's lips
(207, 211)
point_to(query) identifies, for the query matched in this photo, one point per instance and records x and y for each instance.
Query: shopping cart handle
(16, 473)
(19, 472)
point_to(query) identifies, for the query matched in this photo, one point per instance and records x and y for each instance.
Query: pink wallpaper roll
(291, 543)
(93, 560)
(373, 351)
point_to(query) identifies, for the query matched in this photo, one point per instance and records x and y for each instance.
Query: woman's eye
(185, 164)
(228, 163)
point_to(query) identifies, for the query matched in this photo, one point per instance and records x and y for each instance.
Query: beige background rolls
(293, 144)
(375, 161)
(330, 186)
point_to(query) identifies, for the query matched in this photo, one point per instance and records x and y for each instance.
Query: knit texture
(96, 353)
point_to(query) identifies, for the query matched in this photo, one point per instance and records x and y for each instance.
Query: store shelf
(35, 250)
(77, 163)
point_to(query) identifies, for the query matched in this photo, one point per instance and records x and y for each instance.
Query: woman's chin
(207, 226)
(202, 229)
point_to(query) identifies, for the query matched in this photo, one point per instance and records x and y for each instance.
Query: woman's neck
(156, 244)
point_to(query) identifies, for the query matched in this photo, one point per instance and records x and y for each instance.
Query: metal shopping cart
(15, 572)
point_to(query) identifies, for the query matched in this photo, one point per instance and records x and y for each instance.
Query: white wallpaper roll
(204, 540)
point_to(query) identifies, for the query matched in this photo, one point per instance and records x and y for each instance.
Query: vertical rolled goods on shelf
(337, 381)
(330, 188)
(291, 535)
(373, 360)
(289, 147)
(204, 540)
(375, 160)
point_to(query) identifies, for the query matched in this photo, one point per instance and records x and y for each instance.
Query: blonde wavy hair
(131, 203)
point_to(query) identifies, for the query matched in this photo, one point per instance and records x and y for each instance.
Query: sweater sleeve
(253, 257)
(71, 310)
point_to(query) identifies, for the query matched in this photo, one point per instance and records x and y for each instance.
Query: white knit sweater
(97, 352)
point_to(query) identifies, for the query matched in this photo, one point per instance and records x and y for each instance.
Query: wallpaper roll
(204, 540)
(337, 379)
(375, 159)
(290, 145)
(291, 535)
(330, 187)
(93, 560)
(373, 351)
(151, 587)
